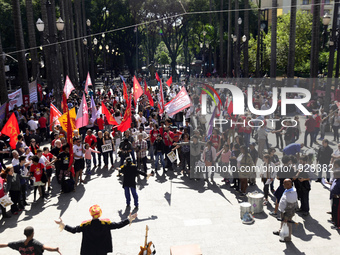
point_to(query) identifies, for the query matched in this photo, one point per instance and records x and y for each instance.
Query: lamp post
(203, 51)
(263, 26)
(332, 39)
(238, 49)
(234, 37)
(60, 27)
(93, 77)
(326, 19)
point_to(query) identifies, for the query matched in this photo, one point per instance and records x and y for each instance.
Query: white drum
(244, 207)
(256, 200)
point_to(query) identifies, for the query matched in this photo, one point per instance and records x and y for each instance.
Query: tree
(20, 47)
(3, 85)
(32, 39)
(292, 35)
(273, 40)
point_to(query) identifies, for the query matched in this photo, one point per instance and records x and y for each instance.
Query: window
(304, 2)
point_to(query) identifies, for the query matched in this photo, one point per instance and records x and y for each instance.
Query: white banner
(15, 99)
(33, 92)
(179, 103)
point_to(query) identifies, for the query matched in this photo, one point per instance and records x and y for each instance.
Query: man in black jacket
(324, 158)
(130, 172)
(97, 238)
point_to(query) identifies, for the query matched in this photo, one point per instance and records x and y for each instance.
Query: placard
(5, 201)
(107, 147)
(172, 156)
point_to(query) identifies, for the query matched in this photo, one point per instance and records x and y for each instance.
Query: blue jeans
(94, 158)
(246, 139)
(128, 197)
(159, 155)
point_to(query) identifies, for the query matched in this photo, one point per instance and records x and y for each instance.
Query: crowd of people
(42, 151)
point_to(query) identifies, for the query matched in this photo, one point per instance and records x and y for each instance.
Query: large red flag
(147, 93)
(169, 81)
(82, 118)
(55, 114)
(126, 122)
(110, 119)
(137, 89)
(11, 129)
(70, 141)
(64, 104)
(68, 87)
(88, 82)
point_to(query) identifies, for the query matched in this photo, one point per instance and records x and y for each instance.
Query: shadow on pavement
(292, 249)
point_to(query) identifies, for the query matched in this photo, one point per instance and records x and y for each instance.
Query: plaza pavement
(178, 211)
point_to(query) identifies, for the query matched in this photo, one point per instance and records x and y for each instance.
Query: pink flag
(82, 118)
(68, 87)
(88, 82)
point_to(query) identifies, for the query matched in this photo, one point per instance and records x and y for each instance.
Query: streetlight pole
(331, 55)
(238, 42)
(64, 61)
(136, 31)
(235, 55)
(93, 78)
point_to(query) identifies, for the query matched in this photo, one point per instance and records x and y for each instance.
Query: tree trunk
(258, 64)
(31, 38)
(273, 41)
(3, 84)
(229, 56)
(315, 48)
(292, 33)
(20, 46)
(72, 45)
(63, 37)
(46, 50)
(246, 43)
(221, 41)
(80, 51)
(237, 44)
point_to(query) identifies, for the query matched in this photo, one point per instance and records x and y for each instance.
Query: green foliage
(303, 42)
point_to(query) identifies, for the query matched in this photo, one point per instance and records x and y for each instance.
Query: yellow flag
(63, 119)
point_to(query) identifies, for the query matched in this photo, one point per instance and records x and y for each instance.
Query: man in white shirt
(140, 119)
(287, 206)
(15, 160)
(32, 124)
(79, 162)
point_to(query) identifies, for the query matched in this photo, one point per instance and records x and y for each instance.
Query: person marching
(97, 238)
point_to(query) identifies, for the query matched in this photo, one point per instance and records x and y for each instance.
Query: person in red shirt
(246, 132)
(49, 157)
(42, 127)
(317, 127)
(37, 170)
(168, 140)
(216, 140)
(100, 123)
(153, 136)
(310, 129)
(92, 141)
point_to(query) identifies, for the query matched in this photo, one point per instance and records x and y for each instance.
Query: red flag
(137, 89)
(68, 87)
(126, 97)
(40, 91)
(64, 104)
(11, 129)
(157, 77)
(55, 114)
(226, 102)
(70, 141)
(161, 103)
(110, 119)
(126, 122)
(230, 108)
(147, 93)
(82, 118)
(88, 82)
(169, 81)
